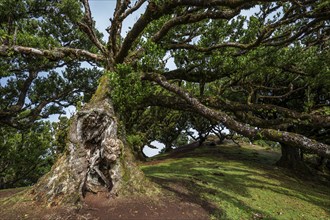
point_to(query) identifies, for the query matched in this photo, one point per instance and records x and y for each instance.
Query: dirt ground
(100, 207)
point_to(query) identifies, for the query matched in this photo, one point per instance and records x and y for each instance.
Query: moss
(242, 184)
(134, 182)
(20, 196)
(61, 173)
(271, 134)
(102, 90)
(72, 199)
(276, 133)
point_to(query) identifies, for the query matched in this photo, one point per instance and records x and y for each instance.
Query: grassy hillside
(227, 181)
(240, 183)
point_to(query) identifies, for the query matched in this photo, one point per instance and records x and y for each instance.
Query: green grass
(241, 183)
(17, 197)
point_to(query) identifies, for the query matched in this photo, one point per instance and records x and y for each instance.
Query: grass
(17, 197)
(241, 183)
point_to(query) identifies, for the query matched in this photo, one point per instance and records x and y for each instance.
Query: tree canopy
(256, 74)
(264, 76)
(35, 87)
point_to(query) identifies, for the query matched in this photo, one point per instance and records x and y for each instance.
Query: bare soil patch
(101, 207)
(9, 192)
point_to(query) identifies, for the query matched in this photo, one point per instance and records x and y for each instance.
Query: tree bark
(291, 158)
(96, 159)
(168, 148)
(289, 138)
(323, 164)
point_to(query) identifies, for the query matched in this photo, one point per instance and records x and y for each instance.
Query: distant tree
(26, 155)
(199, 125)
(163, 125)
(170, 129)
(218, 130)
(60, 131)
(182, 139)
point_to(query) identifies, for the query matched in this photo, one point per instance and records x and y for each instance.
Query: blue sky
(102, 10)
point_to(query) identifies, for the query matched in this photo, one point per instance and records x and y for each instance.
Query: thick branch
(170, 102)
(88, 28)
(23, 91)
(281, 124)
(123, 9)
(152, 13)
(193, 18)
(300, 117)
(54, 54)
(213, 3)
(264, 38)
(129, 11)
(292, 139)
(193, 75)
(116, 25)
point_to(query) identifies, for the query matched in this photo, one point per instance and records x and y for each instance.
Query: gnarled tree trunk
(292, 158)
(96, 160)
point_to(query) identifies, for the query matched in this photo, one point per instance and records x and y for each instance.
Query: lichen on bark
(96, 159)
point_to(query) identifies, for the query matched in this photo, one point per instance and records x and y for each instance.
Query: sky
(102, 10)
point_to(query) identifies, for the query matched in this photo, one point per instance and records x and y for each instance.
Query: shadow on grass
(229, 183)
(195, 196)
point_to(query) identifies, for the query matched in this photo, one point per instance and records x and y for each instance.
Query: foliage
(26, 155)
(200, 125)
(137, 142)
(144, 124)
(36, 87)
(127, 91)
(163, 125)
(181, 140)
(60, 132)
(265, 143)
(264, 76)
